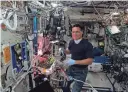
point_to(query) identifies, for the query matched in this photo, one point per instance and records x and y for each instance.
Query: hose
(6, 21)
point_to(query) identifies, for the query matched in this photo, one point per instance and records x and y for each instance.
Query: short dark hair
(78, 25)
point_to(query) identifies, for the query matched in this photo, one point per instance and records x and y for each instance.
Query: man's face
(76, 33)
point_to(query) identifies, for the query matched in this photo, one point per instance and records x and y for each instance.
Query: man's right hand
(62, 54)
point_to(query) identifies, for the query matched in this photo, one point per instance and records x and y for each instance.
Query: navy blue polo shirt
(80, 51)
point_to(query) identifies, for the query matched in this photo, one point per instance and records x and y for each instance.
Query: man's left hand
(71, 62)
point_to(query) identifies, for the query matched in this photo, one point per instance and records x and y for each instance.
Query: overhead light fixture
(54, 4)
(114, 29)
(115, 13)
(126, 11)
(56, 41)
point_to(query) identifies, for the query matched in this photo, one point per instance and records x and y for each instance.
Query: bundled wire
(8, 14)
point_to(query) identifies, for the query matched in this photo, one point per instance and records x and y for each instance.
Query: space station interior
(35, 35)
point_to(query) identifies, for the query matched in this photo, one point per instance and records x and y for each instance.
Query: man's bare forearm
(87, 61)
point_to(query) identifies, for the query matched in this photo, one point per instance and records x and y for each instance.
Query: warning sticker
(6, 54)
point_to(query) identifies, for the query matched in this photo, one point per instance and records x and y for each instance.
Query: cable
(96, 10)
(10, 87)
(111, 83)
(83, 82)
(6, 72)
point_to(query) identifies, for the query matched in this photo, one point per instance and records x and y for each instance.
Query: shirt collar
(77, 41)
